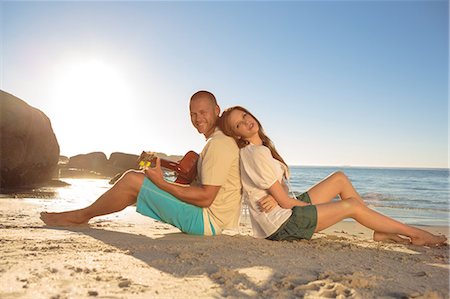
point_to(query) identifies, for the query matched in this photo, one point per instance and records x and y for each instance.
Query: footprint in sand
(325, 288)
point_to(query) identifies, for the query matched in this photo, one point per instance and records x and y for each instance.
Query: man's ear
(217, 109)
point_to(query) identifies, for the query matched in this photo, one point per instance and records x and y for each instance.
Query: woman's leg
(122, 194)
(331, 213)
(336, 184)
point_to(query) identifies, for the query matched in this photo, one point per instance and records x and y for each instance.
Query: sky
(334, 83)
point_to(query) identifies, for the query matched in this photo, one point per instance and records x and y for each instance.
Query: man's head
(204, 112)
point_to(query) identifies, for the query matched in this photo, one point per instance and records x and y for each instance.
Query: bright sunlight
(91, 97)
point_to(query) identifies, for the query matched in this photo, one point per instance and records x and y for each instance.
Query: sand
(126, 255)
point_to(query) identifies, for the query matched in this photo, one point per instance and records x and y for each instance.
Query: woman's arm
(282, 197)
(285, 187)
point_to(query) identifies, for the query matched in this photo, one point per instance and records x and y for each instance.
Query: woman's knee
(353, 205)
(340, 176)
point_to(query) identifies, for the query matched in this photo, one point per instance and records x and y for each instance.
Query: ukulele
(186, 168)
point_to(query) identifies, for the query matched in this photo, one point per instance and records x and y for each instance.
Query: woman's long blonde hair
(225, 126)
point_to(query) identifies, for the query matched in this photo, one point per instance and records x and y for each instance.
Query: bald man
(206, 208)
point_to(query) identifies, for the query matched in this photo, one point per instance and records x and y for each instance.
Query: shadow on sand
(321, 265)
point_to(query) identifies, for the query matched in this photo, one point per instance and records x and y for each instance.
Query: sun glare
(92, 83)
(89, 96)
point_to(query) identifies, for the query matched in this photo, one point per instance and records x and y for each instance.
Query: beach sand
(126, 255)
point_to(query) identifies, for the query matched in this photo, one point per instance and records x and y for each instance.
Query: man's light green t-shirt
(218, 165)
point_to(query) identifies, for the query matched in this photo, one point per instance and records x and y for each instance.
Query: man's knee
(132, 180)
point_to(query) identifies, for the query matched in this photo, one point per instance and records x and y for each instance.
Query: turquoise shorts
(160, 205)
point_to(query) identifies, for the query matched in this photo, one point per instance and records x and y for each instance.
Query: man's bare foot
(71, 218)
(386, 237)
(428, 239)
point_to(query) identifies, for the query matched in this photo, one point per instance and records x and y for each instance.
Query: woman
(262, 173)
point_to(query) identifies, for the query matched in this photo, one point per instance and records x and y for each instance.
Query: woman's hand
(155, 174)
(267, 204)
(301, 203)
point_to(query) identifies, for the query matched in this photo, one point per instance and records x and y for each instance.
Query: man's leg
(163, 206)
(122, 194)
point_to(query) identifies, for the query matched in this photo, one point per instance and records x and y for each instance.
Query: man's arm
(201, 196)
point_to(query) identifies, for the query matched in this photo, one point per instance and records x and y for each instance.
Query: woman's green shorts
(300, 225)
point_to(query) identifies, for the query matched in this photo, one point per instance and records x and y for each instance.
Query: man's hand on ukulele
(155, 174)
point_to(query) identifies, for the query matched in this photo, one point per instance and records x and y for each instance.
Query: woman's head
(240, 124)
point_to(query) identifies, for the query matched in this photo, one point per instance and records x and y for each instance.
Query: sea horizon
(371, 167)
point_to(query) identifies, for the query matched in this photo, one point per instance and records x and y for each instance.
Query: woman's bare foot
(425, 238)
(386, 237)
(71, 218)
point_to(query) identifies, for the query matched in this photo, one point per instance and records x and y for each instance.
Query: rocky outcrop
(124, 161)
(29, 149)
(96, 162)
(97, 165)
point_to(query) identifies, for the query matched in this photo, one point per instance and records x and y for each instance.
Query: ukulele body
(186, 168)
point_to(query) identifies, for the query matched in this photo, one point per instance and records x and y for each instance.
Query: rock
(125, 283)
(89, 165)
(63, 160)
(96, 165)
(29, 148)
(124, 161)
(95, 161)
(92, 293)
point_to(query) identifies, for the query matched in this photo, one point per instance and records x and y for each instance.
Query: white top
(259, 171)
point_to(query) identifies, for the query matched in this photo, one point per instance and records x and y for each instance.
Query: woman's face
(243, 124)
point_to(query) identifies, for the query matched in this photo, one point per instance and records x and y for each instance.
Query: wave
(403, 198)
(409, 208)
(377, 196)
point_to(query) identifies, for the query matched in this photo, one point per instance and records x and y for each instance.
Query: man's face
(204, 115)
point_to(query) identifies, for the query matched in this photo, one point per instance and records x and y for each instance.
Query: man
(204, 209)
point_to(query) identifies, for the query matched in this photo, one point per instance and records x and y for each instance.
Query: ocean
(412, 196)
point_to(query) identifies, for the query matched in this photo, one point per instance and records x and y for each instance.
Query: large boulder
(29, 150)
(124, 161)
(95, 161)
